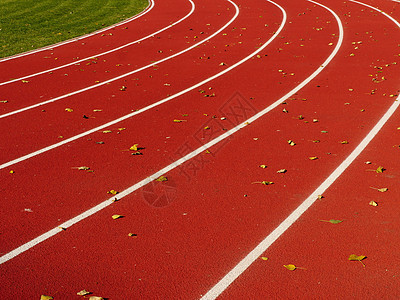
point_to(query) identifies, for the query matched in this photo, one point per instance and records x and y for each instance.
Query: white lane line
(227, 280)
(103, 53)
(126, 74)
(149, 7)
(10, 255)
(130, 115)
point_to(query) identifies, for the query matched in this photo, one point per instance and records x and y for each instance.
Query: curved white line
(103, 53)
(126, 74)
(147, 9)
(223, 284)
(10, 255)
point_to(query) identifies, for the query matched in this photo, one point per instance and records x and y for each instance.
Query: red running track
(196, 227)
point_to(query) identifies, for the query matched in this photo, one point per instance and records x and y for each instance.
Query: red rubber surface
(194, 228)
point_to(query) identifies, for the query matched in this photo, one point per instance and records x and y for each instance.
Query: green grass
(31, 24)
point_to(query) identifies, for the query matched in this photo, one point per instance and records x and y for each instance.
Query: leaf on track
(313, 158)
(83, 293)
(115, 217)
(263, 166)
(96, 298)
(332, 221)
(373, 203)
(291, 143)
(112, 192)
(162, 178)
(264, 258)
(354, 257)
(382, 190)
(281, 171)
(69, 110)
(44, 297)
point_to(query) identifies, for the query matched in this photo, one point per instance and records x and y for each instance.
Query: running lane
(184, 247)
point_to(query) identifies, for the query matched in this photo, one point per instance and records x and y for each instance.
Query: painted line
(227, 280)
(130, 115)
(103, 53)
(10, 255)
(126, 74)
(149, 7)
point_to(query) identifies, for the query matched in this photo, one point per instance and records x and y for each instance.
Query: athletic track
(209, 91)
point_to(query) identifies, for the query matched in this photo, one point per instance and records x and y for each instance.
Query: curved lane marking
(21, 249)
(224, 283)
(126, 74)
(103, 53)
(149, 7)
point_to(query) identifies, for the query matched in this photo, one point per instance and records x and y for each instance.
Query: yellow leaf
(134, 147)
(357, 257)
(12, 172)
(83, 293)
(132, 234)
(84, 168)
(123, 88)
(263, 166)
(121, 129)
(117, 217)
(313, 158)
(264, 258)
(26, 81)
(179, 121)
(291, 143)
(281, 171)
(97, 110)
(112, 192)
(373, 203)
(379, 169)
(267, 182)
(290, 267)
(44, 297)
(107, 131)
(344, 142)
(96, 298)
(162, 178)
(382, 190)
(69, 110)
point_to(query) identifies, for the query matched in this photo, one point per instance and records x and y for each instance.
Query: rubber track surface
(192, 229)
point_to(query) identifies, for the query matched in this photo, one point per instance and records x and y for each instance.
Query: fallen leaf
(291, 143)
(179, 121)
(373, 203)
(123, 88)
(12, 172)
(263, 166)
(313, 158)
(117, 217)
(290, 267)
(44, 297)
(380, 169)
(83, 293)
(121, 129)
(344, 142)
(97, 110)
(112, 192)
(26, 81)
(162, 178)
(264, 258)
(359, 258)
(263, 182)
(281, 171)
(132, 234)
(332, 221)
(134, 147)
(382, 190)
(107, 131)
(4, 101)
(320, 197)
(69, 110)
(96, 298)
